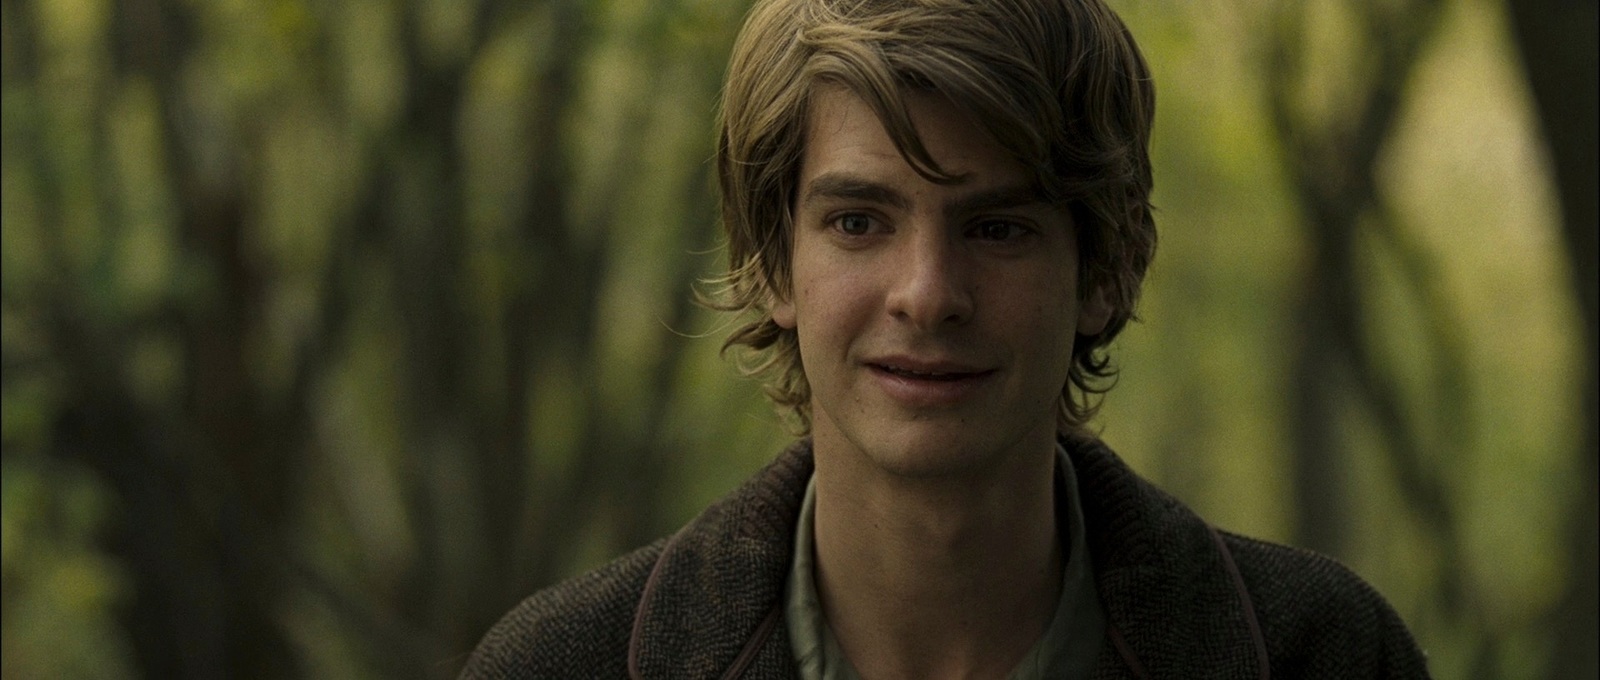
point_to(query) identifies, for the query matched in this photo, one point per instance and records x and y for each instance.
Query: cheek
(1044, 324)
(834, 313)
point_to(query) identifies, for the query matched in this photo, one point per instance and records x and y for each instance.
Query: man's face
(935, 321)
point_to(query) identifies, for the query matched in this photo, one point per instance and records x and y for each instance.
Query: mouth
(922, 384)
(927, 374)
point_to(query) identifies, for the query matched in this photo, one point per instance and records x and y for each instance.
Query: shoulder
(722, 571)
(1319, 619)
(1316, 618)
(578, 627)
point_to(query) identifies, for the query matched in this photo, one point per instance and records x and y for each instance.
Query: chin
(925, 453)
(976, 443)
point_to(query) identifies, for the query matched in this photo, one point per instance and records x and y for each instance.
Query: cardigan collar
(712, 606)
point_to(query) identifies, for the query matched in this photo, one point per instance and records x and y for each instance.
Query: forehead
(845, 134)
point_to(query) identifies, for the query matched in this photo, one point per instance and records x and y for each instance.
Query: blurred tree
(1558, 40)
(320, 187)
(1332, 126)
(1334, 104)
(1333, 121)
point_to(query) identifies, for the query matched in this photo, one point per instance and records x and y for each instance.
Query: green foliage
(61, 589)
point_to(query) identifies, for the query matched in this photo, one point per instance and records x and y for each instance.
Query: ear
(783, 311)
(1094, 312)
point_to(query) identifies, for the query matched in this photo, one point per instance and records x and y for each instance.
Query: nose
(931, 284)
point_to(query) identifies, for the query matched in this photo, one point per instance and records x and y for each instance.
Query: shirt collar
(1067, 649)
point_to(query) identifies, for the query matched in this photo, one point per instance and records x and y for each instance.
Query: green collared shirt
(1067, 650)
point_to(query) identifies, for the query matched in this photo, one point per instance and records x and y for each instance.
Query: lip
(927, 383)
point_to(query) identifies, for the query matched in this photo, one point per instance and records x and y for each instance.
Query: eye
(853, 224)
(999, 230)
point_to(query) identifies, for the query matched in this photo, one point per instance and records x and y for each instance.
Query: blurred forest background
(333, 328)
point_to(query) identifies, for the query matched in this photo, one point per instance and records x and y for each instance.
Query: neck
(937, 576)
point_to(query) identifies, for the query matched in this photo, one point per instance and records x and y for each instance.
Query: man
(937, 218)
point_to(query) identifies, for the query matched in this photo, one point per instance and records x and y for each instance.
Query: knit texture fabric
(703, 602)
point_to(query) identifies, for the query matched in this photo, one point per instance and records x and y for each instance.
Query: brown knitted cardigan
(1182, 600)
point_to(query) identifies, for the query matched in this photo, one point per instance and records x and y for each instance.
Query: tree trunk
(1558, 43)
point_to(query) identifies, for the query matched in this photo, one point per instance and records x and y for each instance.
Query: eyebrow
(850, 187)
(998, 198)
(842, 185)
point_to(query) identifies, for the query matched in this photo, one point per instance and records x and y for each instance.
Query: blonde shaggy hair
(1060, 85)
